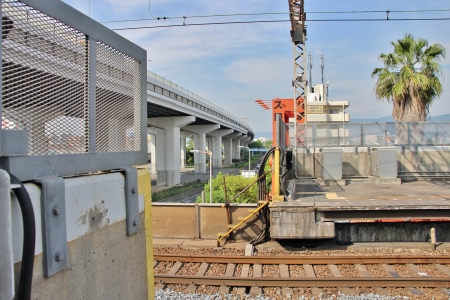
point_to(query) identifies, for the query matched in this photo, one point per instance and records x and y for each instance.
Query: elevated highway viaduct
(174, 114)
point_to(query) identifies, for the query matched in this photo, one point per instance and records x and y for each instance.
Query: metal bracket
(54, 235)
(131, 200)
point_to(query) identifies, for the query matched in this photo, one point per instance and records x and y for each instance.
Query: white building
(320, 110)
(328, 117)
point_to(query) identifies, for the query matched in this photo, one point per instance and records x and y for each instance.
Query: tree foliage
(189, 155)
(268, 144)
(410, 78)
(235, 184)
(256, 144)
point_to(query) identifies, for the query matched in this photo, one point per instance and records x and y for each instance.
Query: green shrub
(235, 184)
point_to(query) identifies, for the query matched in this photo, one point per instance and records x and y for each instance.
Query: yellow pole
(276, 178)
(145, 189)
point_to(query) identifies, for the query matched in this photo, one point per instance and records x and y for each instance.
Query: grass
(244, 164)
(177, 190)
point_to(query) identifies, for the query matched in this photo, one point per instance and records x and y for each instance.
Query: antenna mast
(322, 65)
(310, 65)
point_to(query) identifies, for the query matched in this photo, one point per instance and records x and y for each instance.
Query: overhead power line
(274, 13)
(279, 21)
(201, 24)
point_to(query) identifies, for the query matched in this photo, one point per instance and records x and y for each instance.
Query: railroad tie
(177, 266)
(257, 272)
(394, 274)
(310, 273)
(224, 289)
(201, 272)
(249, 249)
(284, 273)
(244, 273)
(443, 269)
(418, 270)
(364, 273)
(421, 273)
(336, 273)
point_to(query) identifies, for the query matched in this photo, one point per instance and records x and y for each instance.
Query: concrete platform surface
(424, 194)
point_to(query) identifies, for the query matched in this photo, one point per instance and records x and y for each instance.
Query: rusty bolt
(56, 210)
(58, 256)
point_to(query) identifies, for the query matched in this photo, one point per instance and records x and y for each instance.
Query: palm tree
(410, 78)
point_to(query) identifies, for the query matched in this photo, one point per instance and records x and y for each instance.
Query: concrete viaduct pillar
(236, 144)
(151, 148)
(245, 142)
(217, 145)
(228, 143)
(183, 136)
(200, 144)
(168, 147)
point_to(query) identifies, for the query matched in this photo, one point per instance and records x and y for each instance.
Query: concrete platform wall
(432, 159)
(200, 221)
(424, 159)
(104, 263)
(391, 232)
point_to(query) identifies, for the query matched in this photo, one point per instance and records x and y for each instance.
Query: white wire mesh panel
(118, 96)
(44, 80)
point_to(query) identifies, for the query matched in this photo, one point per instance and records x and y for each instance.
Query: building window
(315, 109)
(333, 111)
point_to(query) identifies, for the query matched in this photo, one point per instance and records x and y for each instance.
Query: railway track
(250, 274)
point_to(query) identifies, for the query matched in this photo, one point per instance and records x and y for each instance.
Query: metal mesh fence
(45, 85)
(118, 101)
(44, 70)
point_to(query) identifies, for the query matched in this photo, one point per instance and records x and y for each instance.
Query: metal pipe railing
(371, 134)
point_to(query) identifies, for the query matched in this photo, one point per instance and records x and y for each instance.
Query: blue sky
(233, 65)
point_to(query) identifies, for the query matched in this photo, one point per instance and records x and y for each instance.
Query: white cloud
(257, 70)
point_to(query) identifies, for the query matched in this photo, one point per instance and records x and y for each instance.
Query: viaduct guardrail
(192, 100)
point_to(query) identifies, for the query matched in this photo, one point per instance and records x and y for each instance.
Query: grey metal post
(362, 134)
(385, 133)
(1, 90)
(409, 133)
(437, 133)
(143, 116)
(92, 82)
(6, 247)
(314, 134)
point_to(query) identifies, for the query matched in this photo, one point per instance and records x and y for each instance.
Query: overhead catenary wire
(271, 13)
(279, 21)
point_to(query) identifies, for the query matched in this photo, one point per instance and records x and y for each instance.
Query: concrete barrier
(201, 221)
(357, 162)
(104, 263)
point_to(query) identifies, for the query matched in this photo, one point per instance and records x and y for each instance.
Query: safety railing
(199, 99)
(70, 86)
(369, 134)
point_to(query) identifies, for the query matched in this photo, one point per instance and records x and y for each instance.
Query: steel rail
(314, 260)
(303, 282)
